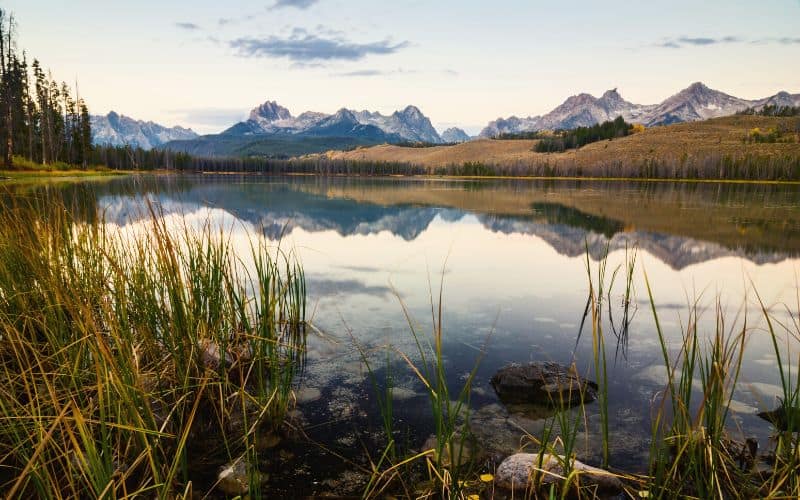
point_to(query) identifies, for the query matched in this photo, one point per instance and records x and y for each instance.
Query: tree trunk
(9, 117)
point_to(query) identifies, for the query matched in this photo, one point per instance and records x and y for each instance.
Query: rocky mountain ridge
(696, 102)
(114, 129)
(270, 118)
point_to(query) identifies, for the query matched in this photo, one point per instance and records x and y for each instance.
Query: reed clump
(697, 450)
(132, 358)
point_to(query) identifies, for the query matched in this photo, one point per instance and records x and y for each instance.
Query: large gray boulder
(546, 384)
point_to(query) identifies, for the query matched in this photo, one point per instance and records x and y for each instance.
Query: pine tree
(85, 134)
(39, 120)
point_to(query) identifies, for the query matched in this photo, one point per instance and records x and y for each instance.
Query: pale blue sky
(204, 63)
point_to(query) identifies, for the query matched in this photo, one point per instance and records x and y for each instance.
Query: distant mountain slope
(696, 102)
(270, 146)
(781, 99)
(454, 135)
(119, 130)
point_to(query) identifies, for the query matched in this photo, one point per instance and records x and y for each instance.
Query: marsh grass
(126, 355)
(694, 451)
(449, 462)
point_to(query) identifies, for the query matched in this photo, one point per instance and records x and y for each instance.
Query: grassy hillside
(272, 147)
(701, 145)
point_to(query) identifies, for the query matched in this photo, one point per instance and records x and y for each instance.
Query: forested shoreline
(714, 167)
(43, 121)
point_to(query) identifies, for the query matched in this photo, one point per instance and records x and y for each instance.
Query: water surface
(511, 259)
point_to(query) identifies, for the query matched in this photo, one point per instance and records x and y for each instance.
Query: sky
(204, 64)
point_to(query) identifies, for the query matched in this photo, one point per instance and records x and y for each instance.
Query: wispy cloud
(702, 41)
(230, 21)
(383, 72)
(297, 4)
(364, 72)
(188, 26)
(786, 40)
(301, 47)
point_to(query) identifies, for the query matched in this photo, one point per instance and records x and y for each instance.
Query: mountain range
(272, 130)
(119, 130)
(271, 118)
(696, 102)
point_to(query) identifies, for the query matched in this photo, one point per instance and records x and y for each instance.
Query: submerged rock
(505, 431)
(463, 450)
(522, 471)
(306, 395)
(212, 356)
(543, 384)
(233, 478)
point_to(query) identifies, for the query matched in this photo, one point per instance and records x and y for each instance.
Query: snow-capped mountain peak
(408, 124)
(695, 102)
(114, 129)
(270, 112)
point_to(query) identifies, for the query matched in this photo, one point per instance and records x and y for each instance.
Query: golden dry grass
(710, 138)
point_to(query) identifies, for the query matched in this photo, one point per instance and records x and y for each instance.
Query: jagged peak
(582, 98)
(698, 86)
(410, 111)
(612, 95)
(270, 111)
(344, 114)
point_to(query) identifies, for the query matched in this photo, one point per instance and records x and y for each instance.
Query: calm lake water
(511, 257)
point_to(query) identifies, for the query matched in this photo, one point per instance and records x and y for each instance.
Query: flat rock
(403, 393)
(522, 472)
(307, 395)
(543, 384)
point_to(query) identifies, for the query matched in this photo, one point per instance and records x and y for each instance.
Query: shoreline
(501, 177)
(10, 175)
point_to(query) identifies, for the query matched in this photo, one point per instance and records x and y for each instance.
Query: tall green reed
(123, 349)
(691, 452)
(451, 462)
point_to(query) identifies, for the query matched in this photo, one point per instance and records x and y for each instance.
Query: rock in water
(233, 479)
(543, 384)
(521, 472)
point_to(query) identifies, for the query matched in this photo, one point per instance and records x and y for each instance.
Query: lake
(510, 260)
